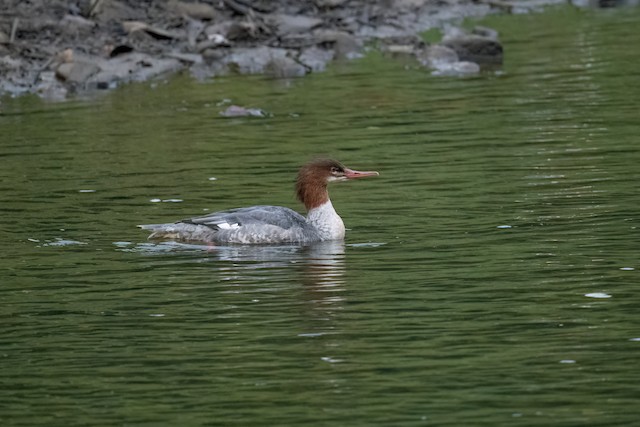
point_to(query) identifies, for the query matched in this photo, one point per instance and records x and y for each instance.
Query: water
(488, 276)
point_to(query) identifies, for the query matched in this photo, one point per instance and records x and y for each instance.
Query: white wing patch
(227, 226)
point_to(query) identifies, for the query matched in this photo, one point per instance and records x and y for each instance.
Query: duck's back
(256, 224)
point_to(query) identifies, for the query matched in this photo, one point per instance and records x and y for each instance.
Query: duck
(265, 224)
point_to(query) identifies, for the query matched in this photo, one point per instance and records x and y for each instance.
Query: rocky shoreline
(56, 48)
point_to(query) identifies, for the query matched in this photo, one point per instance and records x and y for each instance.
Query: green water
(488, 278)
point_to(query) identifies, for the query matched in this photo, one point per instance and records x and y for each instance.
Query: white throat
(326, 220)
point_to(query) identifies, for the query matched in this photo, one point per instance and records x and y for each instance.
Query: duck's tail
(179, 231)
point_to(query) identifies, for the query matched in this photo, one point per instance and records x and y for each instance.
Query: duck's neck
(326, 221)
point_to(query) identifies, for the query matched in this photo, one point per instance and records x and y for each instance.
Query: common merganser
(272, 224)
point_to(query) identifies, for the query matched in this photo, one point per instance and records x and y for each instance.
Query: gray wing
(278, 216)
(258, 224)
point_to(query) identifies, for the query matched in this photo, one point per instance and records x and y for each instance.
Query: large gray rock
(77, 72)
(315, 58)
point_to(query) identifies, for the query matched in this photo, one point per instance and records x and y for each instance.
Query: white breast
(328, 223)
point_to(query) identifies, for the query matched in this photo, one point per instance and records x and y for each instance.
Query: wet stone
(284, 68)
(477, 49)
(315, 58)
(76, 72)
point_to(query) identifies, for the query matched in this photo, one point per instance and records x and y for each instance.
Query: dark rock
(476, 49)
(119, 50)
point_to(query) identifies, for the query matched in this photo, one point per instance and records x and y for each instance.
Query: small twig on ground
(94, 7)
(41, 69)
(14, 29)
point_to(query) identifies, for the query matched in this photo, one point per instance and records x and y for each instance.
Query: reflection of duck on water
(320, 256)
(310, 278)
(272, 224)
(321, 263)
(324, 264)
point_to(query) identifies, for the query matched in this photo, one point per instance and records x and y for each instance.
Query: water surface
(488, 277)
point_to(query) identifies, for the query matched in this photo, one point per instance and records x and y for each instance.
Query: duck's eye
(335, 170)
